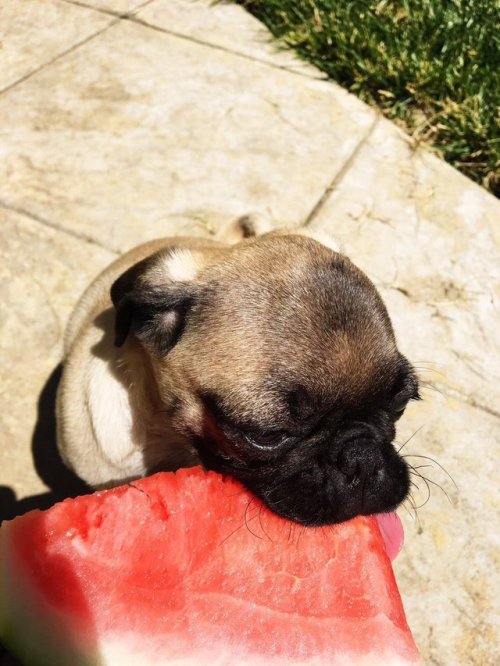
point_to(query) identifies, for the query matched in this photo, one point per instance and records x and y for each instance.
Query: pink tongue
(392, 532)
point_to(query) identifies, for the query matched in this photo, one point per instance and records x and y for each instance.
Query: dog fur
(271, 358)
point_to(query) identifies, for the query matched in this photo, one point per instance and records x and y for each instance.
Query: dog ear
(152, 299)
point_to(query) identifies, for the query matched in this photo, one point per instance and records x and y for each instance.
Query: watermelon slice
(189, 568)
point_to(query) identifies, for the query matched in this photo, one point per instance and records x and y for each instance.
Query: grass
(433, 66)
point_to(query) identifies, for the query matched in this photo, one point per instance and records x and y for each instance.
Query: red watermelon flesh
(189, 568)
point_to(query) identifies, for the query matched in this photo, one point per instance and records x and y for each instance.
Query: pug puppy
(272, 359)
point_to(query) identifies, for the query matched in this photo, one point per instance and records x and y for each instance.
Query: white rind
(115, 652)
(130, 651)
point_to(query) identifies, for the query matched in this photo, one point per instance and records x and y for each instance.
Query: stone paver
(34, 32)
(42, 274)
(146, 130)
(116, 6)
(429, 239)
(448, 570)
(217, 24)
(118, 152)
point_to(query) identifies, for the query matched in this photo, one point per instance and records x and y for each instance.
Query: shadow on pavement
(47, 461)
(49, 467)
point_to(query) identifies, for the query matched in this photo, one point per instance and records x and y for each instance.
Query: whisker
(237, 529)
(426, 366)
(415, 472)
(301, 533)
(419, 506)
(407, 510)
(410, 438)
(411, 501)
(414, 455)
(441, 489)
(427, 386)
(246, 521)
(421, 476)
(427, 481)
(261, 525)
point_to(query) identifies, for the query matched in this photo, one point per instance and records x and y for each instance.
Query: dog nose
(359, 461)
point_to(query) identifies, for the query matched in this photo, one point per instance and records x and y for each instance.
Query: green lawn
(431, 65)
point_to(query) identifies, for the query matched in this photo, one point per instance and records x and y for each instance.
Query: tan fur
(109, 447)
(123, 412)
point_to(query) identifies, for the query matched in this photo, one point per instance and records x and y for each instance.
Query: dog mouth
(324, 495)
(364, 482)
(320, 482)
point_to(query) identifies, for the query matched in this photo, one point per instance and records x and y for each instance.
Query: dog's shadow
(47, 461)
(49, 467)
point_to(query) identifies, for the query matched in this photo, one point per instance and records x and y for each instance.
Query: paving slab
(34, 32)
(217, 23)
(448, 570)
(117, 7)
(428, 237)
(142, 127)
(43, 273)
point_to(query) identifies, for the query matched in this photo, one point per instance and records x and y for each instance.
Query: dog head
(277, 359)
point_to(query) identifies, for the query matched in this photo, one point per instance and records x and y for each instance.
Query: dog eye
(399, 405)
(266, 440)
(398, 413)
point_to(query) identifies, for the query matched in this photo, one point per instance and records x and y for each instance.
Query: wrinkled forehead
(286, 280)
(293, 314)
